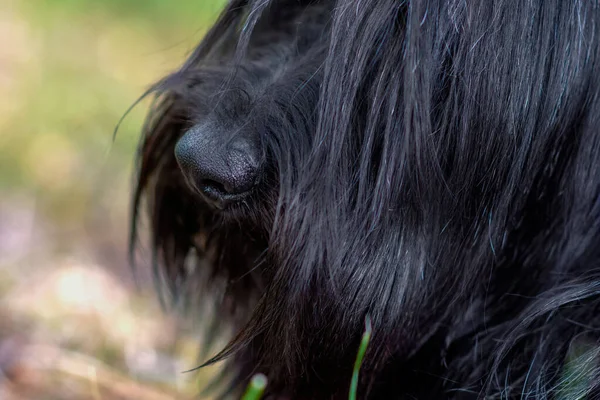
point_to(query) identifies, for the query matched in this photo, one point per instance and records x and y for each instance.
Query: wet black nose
(222, 167)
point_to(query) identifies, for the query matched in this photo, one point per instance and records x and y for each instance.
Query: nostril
(221, 193)
(209, 186)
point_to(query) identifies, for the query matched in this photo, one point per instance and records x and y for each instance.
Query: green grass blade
(578, 372)
(359, 358)
(256, 388)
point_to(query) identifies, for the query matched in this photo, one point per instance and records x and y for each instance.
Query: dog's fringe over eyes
(432, 164)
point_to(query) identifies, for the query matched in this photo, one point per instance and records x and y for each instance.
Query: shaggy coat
(431, 164)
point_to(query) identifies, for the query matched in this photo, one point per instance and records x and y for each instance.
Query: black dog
(434, 165)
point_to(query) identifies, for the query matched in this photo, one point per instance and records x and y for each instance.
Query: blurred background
(74, 324)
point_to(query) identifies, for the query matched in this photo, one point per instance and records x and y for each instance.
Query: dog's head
(315, 162)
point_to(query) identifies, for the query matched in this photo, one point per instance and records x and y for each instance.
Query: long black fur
(432, 164)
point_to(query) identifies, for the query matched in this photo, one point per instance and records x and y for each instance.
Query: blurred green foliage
(69, 69)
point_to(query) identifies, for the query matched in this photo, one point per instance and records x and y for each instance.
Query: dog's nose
(223, 168)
